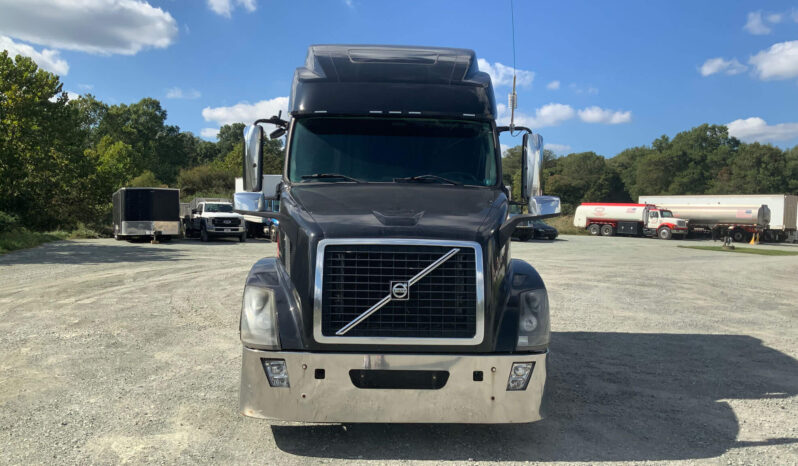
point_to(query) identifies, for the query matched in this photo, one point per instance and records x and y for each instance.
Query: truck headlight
(259, 318)
(533, 320)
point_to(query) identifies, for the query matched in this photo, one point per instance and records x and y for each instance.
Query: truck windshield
(384, 149)
(218, 208)
(666, 213)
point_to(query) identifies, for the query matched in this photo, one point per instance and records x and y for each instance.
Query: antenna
(512, 98)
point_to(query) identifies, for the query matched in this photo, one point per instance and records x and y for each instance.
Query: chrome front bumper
(336, 399)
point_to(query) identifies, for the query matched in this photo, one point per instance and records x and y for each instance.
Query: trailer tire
(607, 230)
(664, 233)
(594, 229)
(738, 236)
(203, 234)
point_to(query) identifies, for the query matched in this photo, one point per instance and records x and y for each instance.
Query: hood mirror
(531, 173)
(253, 157)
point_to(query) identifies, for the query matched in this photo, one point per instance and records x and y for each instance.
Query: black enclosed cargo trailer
(146, 213)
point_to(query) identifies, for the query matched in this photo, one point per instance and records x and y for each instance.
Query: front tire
(594, 229)
(242, 238)
(665, 233)
(203, 234)
(607, 230)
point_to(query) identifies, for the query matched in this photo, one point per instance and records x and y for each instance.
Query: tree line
(701, 160)
(61, 159)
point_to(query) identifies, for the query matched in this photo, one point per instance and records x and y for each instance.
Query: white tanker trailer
(608, 219)
(774, 216)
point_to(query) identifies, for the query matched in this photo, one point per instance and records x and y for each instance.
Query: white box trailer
(780, 225)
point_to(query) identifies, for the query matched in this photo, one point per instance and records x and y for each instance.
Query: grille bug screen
(440, 305)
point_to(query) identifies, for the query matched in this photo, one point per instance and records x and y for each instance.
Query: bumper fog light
(520, 374)
(276, 372)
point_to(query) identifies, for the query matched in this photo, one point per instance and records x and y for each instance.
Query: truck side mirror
(253, 157)
(531, 172)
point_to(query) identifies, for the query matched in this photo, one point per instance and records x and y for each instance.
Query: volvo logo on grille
(400, 291)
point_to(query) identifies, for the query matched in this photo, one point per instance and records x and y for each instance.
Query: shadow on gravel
(71, 252)
(613, 397)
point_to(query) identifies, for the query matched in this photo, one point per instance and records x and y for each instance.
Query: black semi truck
(141, 213)
(393, 296)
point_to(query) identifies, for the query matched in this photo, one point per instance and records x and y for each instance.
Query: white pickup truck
(211, 218)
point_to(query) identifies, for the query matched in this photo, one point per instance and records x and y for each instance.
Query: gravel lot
(116, 352)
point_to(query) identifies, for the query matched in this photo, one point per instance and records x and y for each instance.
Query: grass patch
(22, 238)
(565, 225)
(761, 252)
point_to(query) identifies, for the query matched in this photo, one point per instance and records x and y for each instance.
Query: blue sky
(625, 72)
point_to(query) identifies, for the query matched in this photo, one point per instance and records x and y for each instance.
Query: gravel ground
(116, 352)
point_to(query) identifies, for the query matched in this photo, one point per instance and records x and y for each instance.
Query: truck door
(653, 220)
(196, 220)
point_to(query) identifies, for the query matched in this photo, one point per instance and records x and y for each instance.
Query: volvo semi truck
(609, 219)
(739, 215)
(393, 296)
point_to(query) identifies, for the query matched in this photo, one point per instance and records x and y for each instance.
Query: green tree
(756, 169)
(42, 166)
(146, 179)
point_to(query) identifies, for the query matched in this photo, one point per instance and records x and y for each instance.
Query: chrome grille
(226, 222)
(446, 304)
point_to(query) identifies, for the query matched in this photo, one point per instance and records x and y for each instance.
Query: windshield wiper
(322, 176)
(424, 179)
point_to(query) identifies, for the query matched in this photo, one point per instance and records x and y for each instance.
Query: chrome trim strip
(432, 267)
(479, 333)
(381, 303)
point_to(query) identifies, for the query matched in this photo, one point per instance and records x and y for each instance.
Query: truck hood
(397, 209)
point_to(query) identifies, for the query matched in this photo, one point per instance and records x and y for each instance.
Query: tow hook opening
(398, 379)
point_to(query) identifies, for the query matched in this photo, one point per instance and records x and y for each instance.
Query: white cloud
(557, 148)
(583, 90)
(225, 7)
(757, 129)
(600, 115)
(94, 26)
(178, 93)
(502, 75)
(47, 59)
(209, 133)
(774, 18)
(86, 87)
(755, 25)
(554, 85)
(503, 148)
(349, 3)
(780, 61)
(719, 65)
(245, 112)
(547, 115)
(70, 95)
